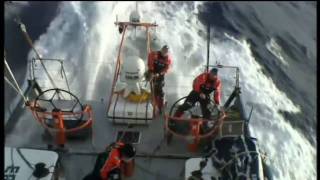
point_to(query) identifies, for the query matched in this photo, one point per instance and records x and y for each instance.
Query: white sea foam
(291, 155)
(275, 49)
(93, 44)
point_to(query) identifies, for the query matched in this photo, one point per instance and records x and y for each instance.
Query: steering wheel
(191, 111)
(59, 100)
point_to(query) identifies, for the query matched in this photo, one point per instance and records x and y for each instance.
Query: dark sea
(273, 43)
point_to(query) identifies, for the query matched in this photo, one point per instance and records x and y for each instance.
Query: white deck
(16, 168)
(28, 133)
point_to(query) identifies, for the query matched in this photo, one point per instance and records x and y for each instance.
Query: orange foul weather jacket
(157, 63)
(201, 84)
(114, 161)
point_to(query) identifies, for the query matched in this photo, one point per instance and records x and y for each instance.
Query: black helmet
(166, 47)
(214, 71)
(128, 151)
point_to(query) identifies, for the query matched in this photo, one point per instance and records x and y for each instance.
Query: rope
(64, 74)
(62, 71)
(16, 87)
(24, 159)
(151, 81)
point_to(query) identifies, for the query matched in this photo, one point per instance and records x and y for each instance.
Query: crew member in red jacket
(109, 164)
(159, 63)
(203, 86)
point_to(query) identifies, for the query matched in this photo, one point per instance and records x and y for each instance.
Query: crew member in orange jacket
(203, 86)
(109, 163)
(159, 63)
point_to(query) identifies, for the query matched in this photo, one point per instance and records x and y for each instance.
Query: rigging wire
(64, 74)
(208, 47)
(16, 87)
(213, 53)
(26, 35)
(8, 81)
(17, 19)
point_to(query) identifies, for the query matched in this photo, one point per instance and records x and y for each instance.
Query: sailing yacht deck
(167, 162)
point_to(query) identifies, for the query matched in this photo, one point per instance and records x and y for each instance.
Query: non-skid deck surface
(77, 167)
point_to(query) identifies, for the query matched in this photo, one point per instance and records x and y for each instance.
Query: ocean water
(273, 43)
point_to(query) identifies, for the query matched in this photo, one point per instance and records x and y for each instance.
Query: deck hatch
(129, 136)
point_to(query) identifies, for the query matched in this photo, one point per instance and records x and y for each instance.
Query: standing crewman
(159, 63)
(203, 86)
(110, 164)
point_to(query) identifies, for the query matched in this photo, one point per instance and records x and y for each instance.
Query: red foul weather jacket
(159, 64)
(113, 161)
(201, 84)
